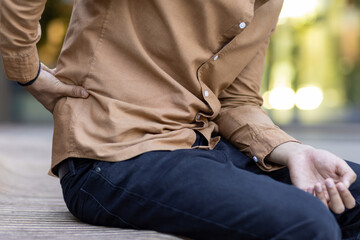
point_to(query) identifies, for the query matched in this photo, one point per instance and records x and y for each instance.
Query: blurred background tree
(311, 77)
(54, 22)
(312, 73)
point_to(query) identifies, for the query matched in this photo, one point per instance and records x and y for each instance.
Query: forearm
(19, 33)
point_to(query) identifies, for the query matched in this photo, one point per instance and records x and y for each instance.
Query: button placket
(206, 93)
(201, 121)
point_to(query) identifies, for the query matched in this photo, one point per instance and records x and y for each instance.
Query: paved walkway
(31, 205)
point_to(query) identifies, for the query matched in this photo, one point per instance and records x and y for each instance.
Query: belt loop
(71, 166)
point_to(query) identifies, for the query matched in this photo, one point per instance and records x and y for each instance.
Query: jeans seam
(106, 210)
(279, 234)
(83, 200)
(174, 209)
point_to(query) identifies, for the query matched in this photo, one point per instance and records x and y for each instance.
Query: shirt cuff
(32, 81)
(264, 143)
(22, 68)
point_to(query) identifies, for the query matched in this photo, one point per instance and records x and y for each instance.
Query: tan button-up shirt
(156, 70)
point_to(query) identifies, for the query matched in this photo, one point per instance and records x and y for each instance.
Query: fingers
(48, 89)
(310, 190)
(349, 177)
(74, 91)
(320, 194)
(67, 90)
(336, 204)
(345, 195)
(346, 174)
(337, 197)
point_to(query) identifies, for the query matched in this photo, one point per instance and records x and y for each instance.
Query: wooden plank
(31, 204)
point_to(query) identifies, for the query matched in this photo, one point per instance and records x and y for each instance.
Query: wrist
(285, 153)
(32, 81)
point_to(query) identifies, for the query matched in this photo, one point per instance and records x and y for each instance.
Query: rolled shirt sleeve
(242, 120)
(19, 33)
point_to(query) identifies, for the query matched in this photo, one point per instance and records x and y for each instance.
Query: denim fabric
(203, 194)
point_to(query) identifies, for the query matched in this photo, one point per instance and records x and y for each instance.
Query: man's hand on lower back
(318, 172)
(47, 89)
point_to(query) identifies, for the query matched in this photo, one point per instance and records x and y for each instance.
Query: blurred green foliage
(322, 49)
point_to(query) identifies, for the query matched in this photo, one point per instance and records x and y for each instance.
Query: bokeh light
(298, 8)
(309, 98)
(282, 98)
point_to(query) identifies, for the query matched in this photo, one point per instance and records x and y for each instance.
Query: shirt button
(242, 25)
(216, 57)
(255, 159)
(206, 93)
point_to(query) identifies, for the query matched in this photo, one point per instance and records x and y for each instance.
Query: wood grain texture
(31, 204)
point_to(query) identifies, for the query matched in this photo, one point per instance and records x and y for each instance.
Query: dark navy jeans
(203, 194)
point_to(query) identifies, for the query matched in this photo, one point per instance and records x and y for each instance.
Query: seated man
(158, 122)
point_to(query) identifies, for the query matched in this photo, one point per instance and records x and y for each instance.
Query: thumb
(47, 69)
(74, 91)
(348, 177)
